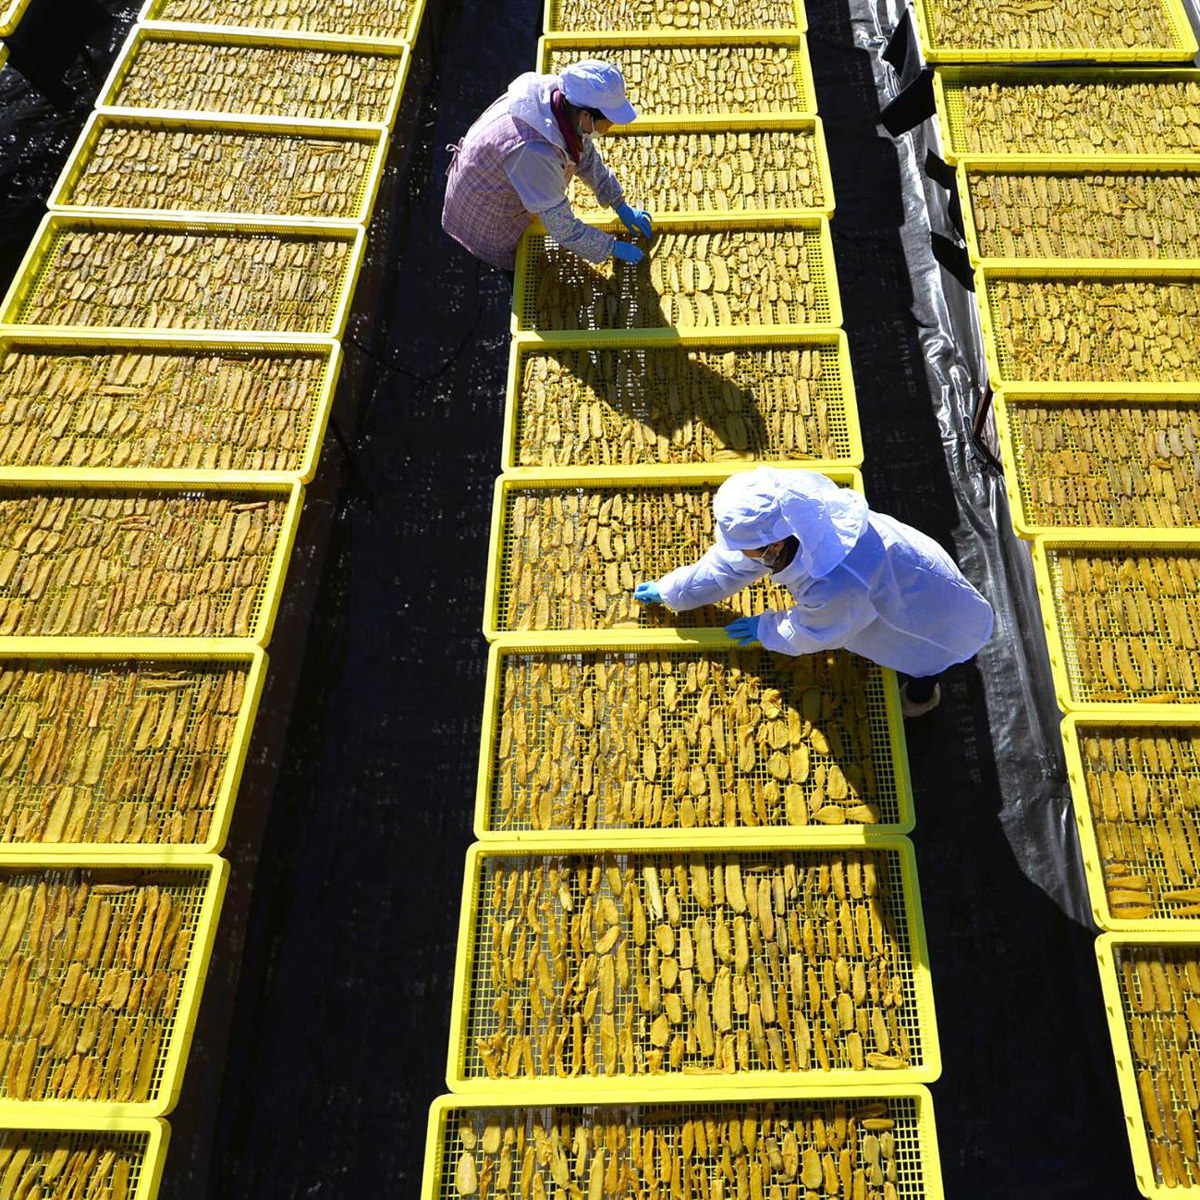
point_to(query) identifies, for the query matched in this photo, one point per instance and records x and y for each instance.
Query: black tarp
(323, 1032)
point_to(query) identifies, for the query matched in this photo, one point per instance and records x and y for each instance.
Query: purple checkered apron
(482, 208)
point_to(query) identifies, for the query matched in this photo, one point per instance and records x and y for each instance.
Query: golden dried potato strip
(362, 18)
(1001, 25)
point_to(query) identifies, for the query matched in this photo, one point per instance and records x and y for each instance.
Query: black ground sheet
(323, 1033)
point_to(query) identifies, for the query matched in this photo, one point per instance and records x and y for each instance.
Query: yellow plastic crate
(999, 33)
(204, 71)
(1125, 630)
(192, 403)
(782, 396)
(557, 290)
(92, 577)
(350, 21)
(707, 74)
(574, 705)
(10, 18)
(629, 1029)
(122, 749)
(89, 298)
(1094, 112)
(465, 1128)
(1078, 208)
(143, 1072)
(1135, 780)
(670, 17)
(1150, 331)
(3, 55)
(222, 168)
(1140, 976)
(138, 1151)
(572, 582)
(1100, 456)
(701, 165)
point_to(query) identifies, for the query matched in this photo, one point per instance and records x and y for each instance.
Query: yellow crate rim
(49, 338)
(526, 344)
(595, 45)
(436, 1179)
(1114, 1010)
(948, 82)
(157, 1135)
(552, 9)
(892, 768)
(1061, 650)
(10, 18)
(176, 651)
(1045, 269)
(213, 482)
(582, 1089)
(172, 1058)
(148, 16)
(28, 278)
(1182, 49)
(823, 266)
(210, 35)
(365, 193)
(646, 127)
(586, 477)
(1074, 728)
(1067, 165)
(1012, 452)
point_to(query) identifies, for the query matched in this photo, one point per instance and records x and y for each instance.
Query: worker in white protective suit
(861, 580)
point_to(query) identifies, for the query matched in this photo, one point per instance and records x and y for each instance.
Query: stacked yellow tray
(1078, 189)
(168, 363)
(692, 869)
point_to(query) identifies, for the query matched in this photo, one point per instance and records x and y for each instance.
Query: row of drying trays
(691, 954)
(168, 358)
(1077, 189)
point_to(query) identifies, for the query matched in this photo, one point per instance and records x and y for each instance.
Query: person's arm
(713, 578)
(831, 611)
(595, 173)
(536, 172)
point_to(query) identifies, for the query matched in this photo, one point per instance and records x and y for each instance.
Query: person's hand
(647, 593)
(637, 220)
(744, 630)
(627, 252)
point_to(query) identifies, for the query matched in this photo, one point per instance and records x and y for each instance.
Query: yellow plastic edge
(279, 565)
(1135, 1126)
(681, 641)
(594, 1089)
(156, 1130)
(174, 1058)
(663, 477)
(1183, 48)
(684, 222)
(28, 274)
(443, 1108)
(117, 650)
(10, 18)
(781, 335)
(599, 43)
(151, 339)
(946, 77)
(85, 148)
(198, 34)
(1065, 394)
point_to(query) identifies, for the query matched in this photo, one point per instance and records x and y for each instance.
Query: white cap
(595, 84)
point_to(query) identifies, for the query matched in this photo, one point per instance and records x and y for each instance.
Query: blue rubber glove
(647, 593)
(744, 630)
(637, 220)
(627, 252)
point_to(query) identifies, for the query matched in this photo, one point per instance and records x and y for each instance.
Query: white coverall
(861, 581)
